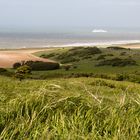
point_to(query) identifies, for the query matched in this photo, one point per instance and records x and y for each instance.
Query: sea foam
(99, 31)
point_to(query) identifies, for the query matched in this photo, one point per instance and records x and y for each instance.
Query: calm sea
(86, 37)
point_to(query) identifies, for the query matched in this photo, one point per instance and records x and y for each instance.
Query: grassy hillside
(88, 58)
(109, 61)
(75, 108)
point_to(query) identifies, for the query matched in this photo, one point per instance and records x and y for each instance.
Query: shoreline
(131, 45)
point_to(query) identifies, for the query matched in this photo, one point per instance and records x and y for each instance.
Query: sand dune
(8, 58)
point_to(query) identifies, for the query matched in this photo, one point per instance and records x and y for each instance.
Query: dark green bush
(16, 65)
(120, 77)
(40, 65)
(75, 67)
(6, 72)
(117, 62)
(101, 57)
(117, 48)
(2, 70)
(48, 55)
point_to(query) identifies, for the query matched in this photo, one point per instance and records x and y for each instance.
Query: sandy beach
(131, 46)
(9, 57)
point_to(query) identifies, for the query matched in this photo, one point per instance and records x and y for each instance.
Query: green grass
(62, 108)
(74, 109)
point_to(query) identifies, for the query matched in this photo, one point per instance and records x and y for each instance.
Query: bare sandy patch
(9, 57)
(132, 46)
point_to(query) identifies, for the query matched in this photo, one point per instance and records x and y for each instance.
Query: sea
(66, 38)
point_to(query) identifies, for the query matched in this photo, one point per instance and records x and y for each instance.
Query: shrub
(120, 77)
(117, 62)
(16, 65)
(6, 72)
(117, 48)
(101, 57)
(2, 70)
(48, 55)
(22, 72)
(75, 67)
(40, 65)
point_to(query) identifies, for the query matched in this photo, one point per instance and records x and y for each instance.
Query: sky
(67, 14)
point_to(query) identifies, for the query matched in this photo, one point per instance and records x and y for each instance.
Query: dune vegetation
(113, 62)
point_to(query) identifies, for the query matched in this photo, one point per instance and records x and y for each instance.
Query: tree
(23, 72)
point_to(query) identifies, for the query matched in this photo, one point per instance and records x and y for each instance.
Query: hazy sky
(51, 14)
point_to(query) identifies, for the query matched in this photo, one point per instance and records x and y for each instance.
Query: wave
(99, 31)
(104, 43)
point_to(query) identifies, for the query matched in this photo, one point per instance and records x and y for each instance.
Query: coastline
(126, 44)
(131, 44)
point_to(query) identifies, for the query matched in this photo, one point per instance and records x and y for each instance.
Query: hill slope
(76, 108)
(110, 62)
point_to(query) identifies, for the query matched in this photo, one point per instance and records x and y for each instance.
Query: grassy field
(69, 109)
